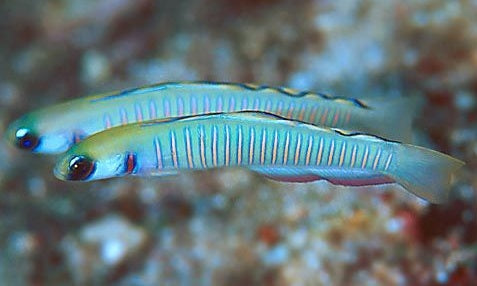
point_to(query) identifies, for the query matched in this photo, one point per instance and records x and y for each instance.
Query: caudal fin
(392, 119)
(424, 172)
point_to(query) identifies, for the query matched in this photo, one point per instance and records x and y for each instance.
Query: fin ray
(424, 172)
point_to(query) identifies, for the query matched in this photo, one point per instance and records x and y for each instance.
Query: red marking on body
(78, 136)
(361, 182)
(130, 163)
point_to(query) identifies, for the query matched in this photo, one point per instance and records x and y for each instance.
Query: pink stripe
(323, 117)
(124, 116)
(194, 105)
(313, 114)
(290, 110)
(257, 104)
(219, 104)
(280, 107)
(361, 182)
(301, 116)
(167, 108)
(335, 118)
(152, 109)
(244, 103)
(268, 105)
(107, 121)
(348, 116)
(138, 110)
(206, 104)
(232, 104)
(180, 106)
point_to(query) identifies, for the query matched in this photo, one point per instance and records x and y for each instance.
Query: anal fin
(291, 175)
(165, 173)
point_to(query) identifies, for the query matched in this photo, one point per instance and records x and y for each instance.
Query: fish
(53, 129)
(276, 147)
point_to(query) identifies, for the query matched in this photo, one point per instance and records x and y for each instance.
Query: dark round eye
(26, 139)
(80, 168)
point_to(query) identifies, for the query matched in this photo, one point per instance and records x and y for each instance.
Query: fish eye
(26, 139)
(80, 168)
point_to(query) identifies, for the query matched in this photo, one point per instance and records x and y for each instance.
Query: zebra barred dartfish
(54, 129)
(280, 149)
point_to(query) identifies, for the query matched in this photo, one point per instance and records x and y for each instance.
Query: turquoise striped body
(233, 143)
(281, 149)
(182, 99)
(284, 150)
(60, 126)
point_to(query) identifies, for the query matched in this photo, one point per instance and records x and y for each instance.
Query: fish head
(23, 134)
(28, 134)
(88, 164)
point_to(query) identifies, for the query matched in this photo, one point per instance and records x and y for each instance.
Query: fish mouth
(61, 169)
(10, 132)
(60, 172)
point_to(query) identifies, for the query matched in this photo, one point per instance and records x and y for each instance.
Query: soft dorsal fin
(362, 135)
(227, 85)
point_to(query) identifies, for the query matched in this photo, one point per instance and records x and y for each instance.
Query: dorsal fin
(362, 135)
(245, 113)
(248, 86)
(257, 115)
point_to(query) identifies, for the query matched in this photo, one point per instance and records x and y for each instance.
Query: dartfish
(278, 148)
(54, 129)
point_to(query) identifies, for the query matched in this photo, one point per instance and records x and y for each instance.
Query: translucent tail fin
(424, 172)
(393, 118)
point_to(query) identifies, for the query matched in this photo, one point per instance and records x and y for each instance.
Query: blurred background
(232, 227)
